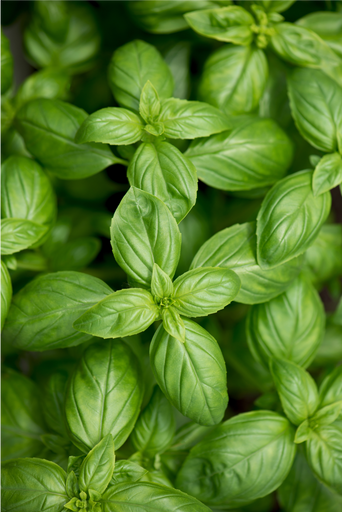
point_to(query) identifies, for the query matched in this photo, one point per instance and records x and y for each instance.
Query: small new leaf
(326, 415)
(71, 485)
(149, 106)
(303, 432)
(173, 323)
(327, 174)
(97, 468)
(161, 284)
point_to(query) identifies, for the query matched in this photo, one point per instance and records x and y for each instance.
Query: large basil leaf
(163, 171)
(97, 468)
(328, 25)
(123, 313)
(243, 459)
(229, 24)
(289, 219)
(318, 267)
(235, 248)
(143, 496)
(303, 47)
(167, 16)
(296, 388)
(53, 402)
(46, 83)
(132, 65)
(184, 119)
(300, 309)
(234, 78)
(155, 428)
(328, 173)
(49, 128)
(104, 395)
(76, 53)
(6, 64)
(111, 125)
(316, 105)
(29, 485)
(26, 191)
(42, 313)
(254, 155)
(19, 234)
(323, 451)
(144, 232)
(192, 375)
(302, 492)
(22, 421)
(6, 292)
(203, 291)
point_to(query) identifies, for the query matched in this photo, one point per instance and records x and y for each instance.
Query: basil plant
(171, 256)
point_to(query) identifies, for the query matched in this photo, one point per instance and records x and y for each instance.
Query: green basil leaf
(26, 192)
(235, 248)
(303, 47)
(46, 83)
(22, 421)
(111, 125)
(300, 309)
(76, 53)
(149, 105)
(302, 492)
(132, 65)
(54, 18)
(303, 432)
(127, 471)
(75, 254)
(326, 415)
(72, 484)
(163, 171)
(49, 128)
(229, 24)
(33, 484)
(161, 284)
(241, 159)
(318, 267)
(6, 292)
(289, 219)
(192, 375)
(42, 313)
(239, 461)
(144, 232)
(110, 373)
(173, 323)
(234, 79)
(315, 101)
(6, 64)
(53, 402)
(148, 496)
(203, 291)
(178, 59)
(97, 468)
(296, 388)
(155, 428)
(184, 119)
(57, 444)
(328, 174)
(324, 455)
(123, 313)
(328, 25)
(271, 6)
(330, 390)
(19, 234)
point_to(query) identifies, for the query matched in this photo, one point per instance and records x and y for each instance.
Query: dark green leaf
(192, 375)
(184, 119)
(235, 248)
(239, 461)
(104, 395)
(162, 170)
(144, 232)
(49, 128)
(289, 219)
(22, 421)
(123, 313)
(43, 312)
(132, 65)
(254, 155)
(300, 309)
(318, 267)
(234, 78)
(6, 64)
(29, 485)
(111, 125)
(6, 292)
(53, 402)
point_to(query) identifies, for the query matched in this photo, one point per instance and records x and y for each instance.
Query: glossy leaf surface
(97, 468)
(327, 174)
(19, 234)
